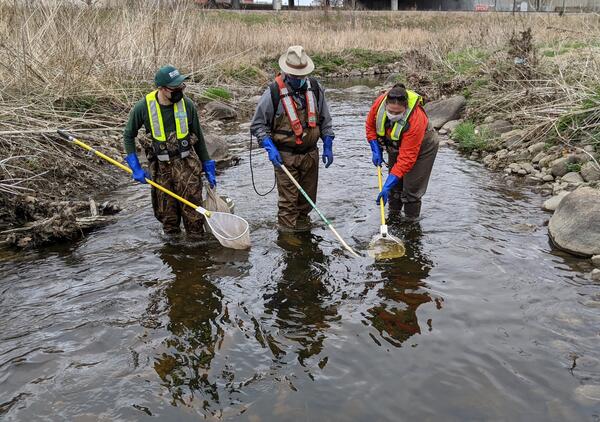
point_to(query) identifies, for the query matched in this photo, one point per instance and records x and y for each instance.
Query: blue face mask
(295, 83)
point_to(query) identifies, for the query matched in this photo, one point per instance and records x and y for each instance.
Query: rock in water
(359, 89)
(442, 111)
(575, 225)
(218, 148)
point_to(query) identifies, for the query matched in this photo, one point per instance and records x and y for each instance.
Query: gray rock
(574, 226)
(596, 277)
(488, 160)
(589, 148)
(512, 138)
(522, 155)
(596, 261)
(553, 203)
(522, 172)
(498, 127)
(221, 111)
(572, 178)
(442, 111)
(537, 148)
(528, 168)
(547, 160)
(451, 125)
(443, 131)
(218, 148)
(548, 178)
(590, 172)
(355, 73)
(560, 166)
(538, 157)
(358, 89)
(502, 153)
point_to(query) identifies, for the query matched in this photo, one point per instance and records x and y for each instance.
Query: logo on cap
(174, 73)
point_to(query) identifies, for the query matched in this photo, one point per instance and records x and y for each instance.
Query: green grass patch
(469, 139)
(467, 61)
(576, 167)
(216, 93)
(245, 74)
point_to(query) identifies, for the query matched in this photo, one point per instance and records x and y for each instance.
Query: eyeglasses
(177, 88)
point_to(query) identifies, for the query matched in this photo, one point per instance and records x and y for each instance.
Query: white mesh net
(230, 230)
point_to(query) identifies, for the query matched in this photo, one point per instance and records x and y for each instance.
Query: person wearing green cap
(173, 144)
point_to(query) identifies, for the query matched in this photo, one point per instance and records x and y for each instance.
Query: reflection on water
(194, 304)
(296, 301)
(403, 290)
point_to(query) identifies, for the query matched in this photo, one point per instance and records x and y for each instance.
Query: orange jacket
(410, 142)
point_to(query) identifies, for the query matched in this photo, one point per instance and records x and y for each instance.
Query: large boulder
(499, 127)
(442, 111)
(590, 172)
(574, 226)
(218, 148)
(220, 111)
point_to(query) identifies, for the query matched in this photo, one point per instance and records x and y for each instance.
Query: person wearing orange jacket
(398, 123)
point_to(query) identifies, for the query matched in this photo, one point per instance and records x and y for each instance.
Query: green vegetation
(353, 58)
(216, 93)
(466, 62)
(246, 74)
(469, 139)
(576, 167)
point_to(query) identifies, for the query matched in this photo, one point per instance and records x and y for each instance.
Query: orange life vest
(289, 105)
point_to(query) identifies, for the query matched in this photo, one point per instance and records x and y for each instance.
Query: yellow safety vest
(414, 99)
(156, 121)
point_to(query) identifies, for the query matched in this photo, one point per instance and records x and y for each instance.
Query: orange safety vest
(289, 105)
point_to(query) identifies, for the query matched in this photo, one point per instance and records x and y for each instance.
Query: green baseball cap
(169, 76)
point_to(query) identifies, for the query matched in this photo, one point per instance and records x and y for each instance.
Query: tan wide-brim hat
(296, 62)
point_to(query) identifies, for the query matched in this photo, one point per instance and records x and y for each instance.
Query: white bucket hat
(296, 62)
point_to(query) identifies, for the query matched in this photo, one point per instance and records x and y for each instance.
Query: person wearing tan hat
(291, 116)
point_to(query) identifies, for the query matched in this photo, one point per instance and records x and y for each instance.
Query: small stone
(596, 277)
(537, 148)
(590, 172)
(451, 125)
(553, 203)
(596, 261)
(548, 178)
(560, 165)
(489, 119)
(443, 131)
(528, 168)
(538, 157)
(522, 172)
(572, 178)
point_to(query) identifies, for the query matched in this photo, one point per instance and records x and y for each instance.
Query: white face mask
(394, 117)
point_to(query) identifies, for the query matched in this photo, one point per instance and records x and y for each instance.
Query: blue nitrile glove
(139, 174)
(390, 182)
(210, 172)
(327, 150)
(377, 155)
(274, 156)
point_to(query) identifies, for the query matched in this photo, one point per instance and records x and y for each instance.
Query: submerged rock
(574, 226)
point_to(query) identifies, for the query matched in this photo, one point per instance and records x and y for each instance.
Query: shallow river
(482, 320)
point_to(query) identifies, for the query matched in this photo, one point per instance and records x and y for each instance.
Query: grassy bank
(82, 68)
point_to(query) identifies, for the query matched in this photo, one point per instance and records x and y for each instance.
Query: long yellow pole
(85, 146)
(381, 206)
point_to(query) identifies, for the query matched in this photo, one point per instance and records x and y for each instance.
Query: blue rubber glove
(377, 155)
(327, 150)
(139, 174)
(210, 172)
(390, 182)
(274, 156)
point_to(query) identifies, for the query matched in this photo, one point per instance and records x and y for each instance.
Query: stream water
(481, 320)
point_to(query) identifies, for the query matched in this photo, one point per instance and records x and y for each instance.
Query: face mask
(296, 83)
(176, 96)
(394, 117)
